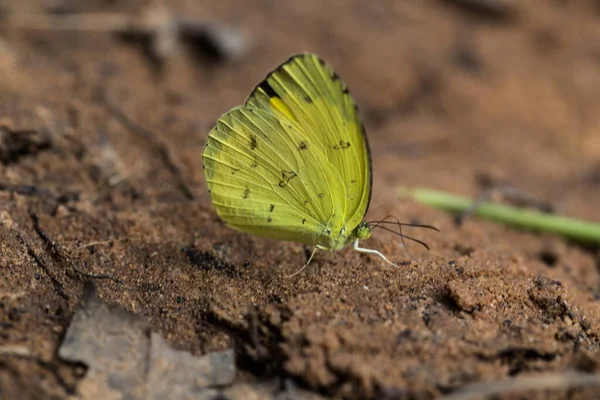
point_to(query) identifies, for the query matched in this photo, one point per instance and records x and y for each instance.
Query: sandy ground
(101, 180)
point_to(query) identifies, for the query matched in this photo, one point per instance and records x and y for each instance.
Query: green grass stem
(579, 230)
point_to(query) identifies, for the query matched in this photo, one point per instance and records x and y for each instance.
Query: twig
(58, 256)
(42, 193)
(57, 285)
(97, 276)
(254, 334)
(548, 381)
(514, 196)
(47, 241)
(28, 190)
(159, 147)
(160, 30)
(15, 351)
(95, 243)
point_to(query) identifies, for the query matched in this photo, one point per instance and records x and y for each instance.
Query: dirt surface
(101, 180)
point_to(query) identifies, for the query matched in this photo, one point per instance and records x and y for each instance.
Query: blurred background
(104, 109)
(449, 90)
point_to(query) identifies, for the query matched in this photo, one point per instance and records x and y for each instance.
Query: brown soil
(108, 186)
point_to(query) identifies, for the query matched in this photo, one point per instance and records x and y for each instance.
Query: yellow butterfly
(293, 162)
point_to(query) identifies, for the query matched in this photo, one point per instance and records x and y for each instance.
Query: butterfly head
(362, 231)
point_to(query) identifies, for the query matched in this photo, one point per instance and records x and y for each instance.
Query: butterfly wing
(258, 180)
(293, 162)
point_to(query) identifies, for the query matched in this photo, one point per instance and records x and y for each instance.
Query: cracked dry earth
(101, 180)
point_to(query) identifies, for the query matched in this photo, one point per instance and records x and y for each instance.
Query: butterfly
(293, 163)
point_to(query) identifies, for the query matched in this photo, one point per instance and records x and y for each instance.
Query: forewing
(309, 92)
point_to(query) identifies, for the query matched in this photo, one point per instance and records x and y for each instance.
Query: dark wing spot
(286, 176)
(305, 202)
(321, 195)
(345, 90)
(302, 146)
(234, 170)
(308, 99)
(268, 89)
(353, 181)
(246, 193)
(269, 220)
(271, 207)
(253, 143)
(341, 145)
(303, 221)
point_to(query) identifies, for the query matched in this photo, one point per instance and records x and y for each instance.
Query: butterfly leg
(371, 251)
(305, 265)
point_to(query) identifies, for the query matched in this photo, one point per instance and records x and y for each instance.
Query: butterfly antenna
(378, 224)
(422, 243)
(402, 239)
(375, 224)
